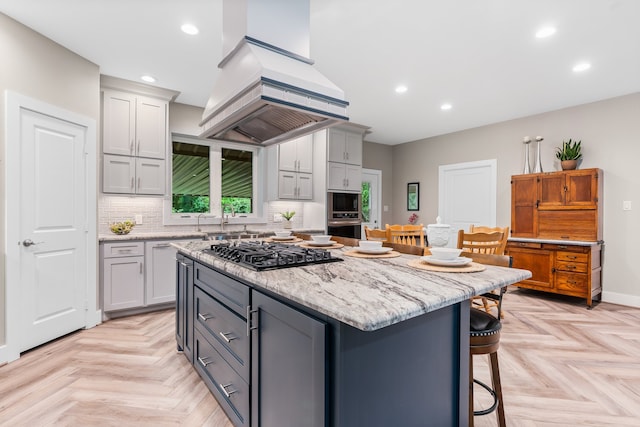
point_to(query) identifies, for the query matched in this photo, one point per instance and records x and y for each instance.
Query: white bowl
(321, 239)
(370, 244)
(283, 233)
(445, 253)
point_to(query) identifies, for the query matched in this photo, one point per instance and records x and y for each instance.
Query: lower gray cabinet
(288, 356)
(267, 370)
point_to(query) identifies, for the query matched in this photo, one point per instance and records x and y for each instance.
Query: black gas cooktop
(268, 256)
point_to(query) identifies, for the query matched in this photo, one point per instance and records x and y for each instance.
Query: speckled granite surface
(367, 294)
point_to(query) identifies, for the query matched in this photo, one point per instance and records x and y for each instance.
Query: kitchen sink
(231, 235)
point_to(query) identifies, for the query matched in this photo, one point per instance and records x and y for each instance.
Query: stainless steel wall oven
(344, 211)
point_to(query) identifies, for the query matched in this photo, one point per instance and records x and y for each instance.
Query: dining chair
(347, 241)
(408, 234)
(405, 249)
(489, 242)
(375, 234)
(484, 338)
(486, 229)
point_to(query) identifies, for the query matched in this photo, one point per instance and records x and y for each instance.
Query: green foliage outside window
(241, 205)
(366, 205)
(190, 203)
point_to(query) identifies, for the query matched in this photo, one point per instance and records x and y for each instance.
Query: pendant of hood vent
(267, 90)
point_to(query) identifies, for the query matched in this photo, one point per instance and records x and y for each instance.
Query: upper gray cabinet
(135, 137)
(134, 125)
(345, 146)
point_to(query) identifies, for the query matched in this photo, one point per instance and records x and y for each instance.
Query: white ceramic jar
(438, 234)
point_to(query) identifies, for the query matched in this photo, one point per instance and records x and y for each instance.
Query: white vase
(527, 166)
(538, 167)
(286, 224)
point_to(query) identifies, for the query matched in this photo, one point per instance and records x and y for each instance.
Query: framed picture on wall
(413, 196)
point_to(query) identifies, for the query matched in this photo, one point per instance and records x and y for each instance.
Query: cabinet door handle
(131, 147)
(204, 361)
(138, 148)
(226, 392)
(227, 338)
(132, 183)
(141, 267)
(204, 317)
(250, 313)
(138, 183)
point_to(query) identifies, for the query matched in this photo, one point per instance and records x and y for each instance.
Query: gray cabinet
(265, 370)
(290, 167)
(123, 275)
(160, 284)
(184, 306)
(134, 143)
(288, 366)
(344, 155)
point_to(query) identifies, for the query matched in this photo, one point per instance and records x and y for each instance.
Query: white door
(467, 195)
(371, 198)
(49, 266)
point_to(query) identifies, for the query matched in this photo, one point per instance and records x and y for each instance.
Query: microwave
(344, 206)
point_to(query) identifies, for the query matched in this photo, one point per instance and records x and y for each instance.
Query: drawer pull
(204, 361)
(226, 338)
(204, 317)
(226, 392)
(571, 267)
(562, 246)
(572, 257)
(572, 282)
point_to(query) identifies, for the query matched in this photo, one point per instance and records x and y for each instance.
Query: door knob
(28, 242)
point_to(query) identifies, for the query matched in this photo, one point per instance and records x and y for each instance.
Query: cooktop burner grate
(268, 256)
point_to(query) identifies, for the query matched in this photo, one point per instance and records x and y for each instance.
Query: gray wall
(378, 156)
(609, 132)
(34, 66)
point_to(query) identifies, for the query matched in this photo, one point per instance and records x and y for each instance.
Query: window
(211, 177)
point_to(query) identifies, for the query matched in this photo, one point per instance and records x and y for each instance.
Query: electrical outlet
(626, 205)
(138, 219)
(277, 218)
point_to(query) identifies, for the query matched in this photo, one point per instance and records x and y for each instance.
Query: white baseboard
(621, 299)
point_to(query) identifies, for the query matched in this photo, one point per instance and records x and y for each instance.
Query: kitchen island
(361, 342)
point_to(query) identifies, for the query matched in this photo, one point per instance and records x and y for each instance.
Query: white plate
(375, 251)
(283, 238)
(456, 262)
(312, 243)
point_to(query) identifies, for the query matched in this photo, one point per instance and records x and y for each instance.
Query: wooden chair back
(490, 300)
(486, 243)
(406, 234)
(485, 229)
(347, 241)
(375, 234)
(405, 249)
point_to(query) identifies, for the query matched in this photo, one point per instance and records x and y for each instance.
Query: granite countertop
(186, 235)
(555, 242)
(367, 294)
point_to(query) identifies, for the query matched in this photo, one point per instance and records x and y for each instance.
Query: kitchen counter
(555, 242)
(367, 294)
(186, 235)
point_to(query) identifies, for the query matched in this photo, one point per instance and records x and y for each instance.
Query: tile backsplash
(113, 208)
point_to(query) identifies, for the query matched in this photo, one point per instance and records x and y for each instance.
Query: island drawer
(230, 390)
(228, 331)
(230, 292)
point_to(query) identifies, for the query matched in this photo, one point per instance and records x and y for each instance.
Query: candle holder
(538, 167)
(527, 166)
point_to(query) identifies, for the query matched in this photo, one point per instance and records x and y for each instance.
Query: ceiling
(481, 56)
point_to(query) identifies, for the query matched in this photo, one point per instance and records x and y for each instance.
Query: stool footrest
(493, 394)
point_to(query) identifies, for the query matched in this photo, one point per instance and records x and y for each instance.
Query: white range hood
(268, 90)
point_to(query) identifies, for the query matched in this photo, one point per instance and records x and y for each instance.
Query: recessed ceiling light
(190, 29)
(147, 78)
(583, 66)
(401, 89)
(446, 107)
(545, 32)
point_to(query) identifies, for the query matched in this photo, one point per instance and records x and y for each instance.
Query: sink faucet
(225, 218)
(198, 221)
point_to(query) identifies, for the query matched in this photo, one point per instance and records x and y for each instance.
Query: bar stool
(484, 338)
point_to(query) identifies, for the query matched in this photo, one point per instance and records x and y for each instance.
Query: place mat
(270, 240)
(334, 246)
(469, 268)
(354, 253)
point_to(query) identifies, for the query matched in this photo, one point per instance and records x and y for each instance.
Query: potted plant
(569, 154)
(287, 215)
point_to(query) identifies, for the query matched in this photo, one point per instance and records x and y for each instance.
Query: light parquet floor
(561, 365)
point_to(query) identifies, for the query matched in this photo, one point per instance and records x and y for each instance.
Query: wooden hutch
(556, 231)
